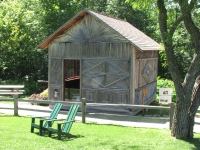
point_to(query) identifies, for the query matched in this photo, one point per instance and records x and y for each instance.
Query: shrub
(165, 83)
(30, 86)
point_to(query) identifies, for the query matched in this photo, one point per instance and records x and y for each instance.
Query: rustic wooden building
(107, 60)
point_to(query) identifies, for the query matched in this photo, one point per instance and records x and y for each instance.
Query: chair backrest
(54, 113)
(70, 117)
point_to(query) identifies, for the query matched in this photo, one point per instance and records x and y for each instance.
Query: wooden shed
(103, 59)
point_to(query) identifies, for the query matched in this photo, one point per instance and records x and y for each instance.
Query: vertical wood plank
(15, 105)
(171, 114)
(83, 110)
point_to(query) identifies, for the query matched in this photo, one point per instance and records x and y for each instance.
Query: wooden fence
(14, 90)
(84, 106)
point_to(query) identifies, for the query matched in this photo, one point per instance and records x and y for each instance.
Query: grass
(165, 112)
(15, 135)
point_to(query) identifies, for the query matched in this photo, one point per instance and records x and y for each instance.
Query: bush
(165, 83)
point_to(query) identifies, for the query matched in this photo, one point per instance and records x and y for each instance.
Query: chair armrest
(39, 117)
(49, 120)
(66, 122)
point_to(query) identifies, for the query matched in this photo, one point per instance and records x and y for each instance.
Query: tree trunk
(185, 111)
(182, 127)
(186, 104)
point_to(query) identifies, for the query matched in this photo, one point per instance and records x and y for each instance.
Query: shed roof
(125, 29)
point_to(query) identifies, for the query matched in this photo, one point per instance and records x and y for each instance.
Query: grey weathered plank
(12, 86)
(11, 93)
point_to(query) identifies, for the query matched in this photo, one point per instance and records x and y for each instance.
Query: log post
(171, 114)
(83, 109)
(15, 105)
(161, 114)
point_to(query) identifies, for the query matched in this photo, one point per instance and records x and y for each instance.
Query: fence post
(83, 109)
(161, 114)
(15, 105)
(171, 114)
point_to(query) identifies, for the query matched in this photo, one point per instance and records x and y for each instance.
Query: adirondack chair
(40, 126)
(63, 128)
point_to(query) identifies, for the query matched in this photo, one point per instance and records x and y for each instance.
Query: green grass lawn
(15, 135)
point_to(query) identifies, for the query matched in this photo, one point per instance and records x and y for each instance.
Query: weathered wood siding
(90, 38)
(106, 81)
(146, 54)
(91, 50)
(110, 66)
(146, 64)
(151, 87)
(89, 29)
(56, 79)
(94, 43)
(146, 71)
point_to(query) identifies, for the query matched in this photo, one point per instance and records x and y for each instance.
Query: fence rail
(84, 106)
(14, 90)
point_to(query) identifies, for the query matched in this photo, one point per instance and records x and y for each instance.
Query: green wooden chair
(63, 128)
(40, 126)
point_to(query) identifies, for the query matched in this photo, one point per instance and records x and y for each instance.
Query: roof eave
(44, 44)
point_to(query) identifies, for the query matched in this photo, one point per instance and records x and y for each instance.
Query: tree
(172, 14)
(21, 29)
(60, 11)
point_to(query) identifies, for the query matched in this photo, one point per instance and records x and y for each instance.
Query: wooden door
(56, 79)
(106, 80)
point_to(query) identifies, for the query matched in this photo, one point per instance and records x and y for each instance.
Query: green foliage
(165, 83)
(31, 86)
(163, 66)
(183, 51)
(21, 29)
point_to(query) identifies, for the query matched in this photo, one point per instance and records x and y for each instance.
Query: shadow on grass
(125, 147)
(63, 137)
(195, 142)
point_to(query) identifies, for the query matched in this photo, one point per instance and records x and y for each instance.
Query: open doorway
(72, 80)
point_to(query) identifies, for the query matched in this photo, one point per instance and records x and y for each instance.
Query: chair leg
(41, 126)
(59, 131)
(32, 121)
(32, 129)
(59, 136)
(49, 133)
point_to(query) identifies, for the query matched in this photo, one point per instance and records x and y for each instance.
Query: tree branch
(174, 26)
(191, 5)
(162, 18)
(192, 29)
(194, 32)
